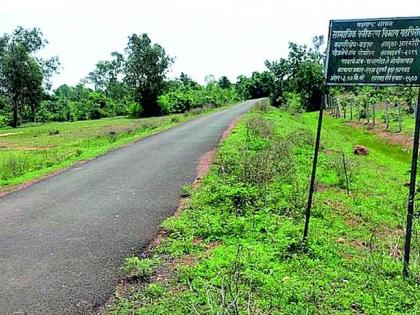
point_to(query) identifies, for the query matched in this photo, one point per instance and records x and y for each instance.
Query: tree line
(135, 83)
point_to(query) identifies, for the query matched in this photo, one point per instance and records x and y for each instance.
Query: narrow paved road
(64, 239)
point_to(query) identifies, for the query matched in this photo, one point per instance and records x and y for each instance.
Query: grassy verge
(33, 151)
(236, 247)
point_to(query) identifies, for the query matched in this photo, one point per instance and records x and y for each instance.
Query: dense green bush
(80, 103)
(178, 101)
(257, 86)
(134, 109)
(301, 72)
(4, 121)
(184, 98)
(294, 102)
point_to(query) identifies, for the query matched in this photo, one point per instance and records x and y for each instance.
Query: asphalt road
(63, 240)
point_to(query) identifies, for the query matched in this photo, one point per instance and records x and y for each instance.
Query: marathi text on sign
(375, 52)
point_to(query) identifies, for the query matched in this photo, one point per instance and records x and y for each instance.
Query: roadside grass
(236, 247)
(35, 150)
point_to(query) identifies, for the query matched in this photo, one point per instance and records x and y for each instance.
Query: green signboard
(379, 52)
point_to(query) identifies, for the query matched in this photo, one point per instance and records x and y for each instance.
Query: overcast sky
(218, 37)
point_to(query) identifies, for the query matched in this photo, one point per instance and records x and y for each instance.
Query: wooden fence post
(367, 112)
(399, 117)
(373, 114)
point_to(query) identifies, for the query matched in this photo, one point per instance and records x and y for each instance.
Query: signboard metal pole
(379, 52)
(410, 210)
(314, 164)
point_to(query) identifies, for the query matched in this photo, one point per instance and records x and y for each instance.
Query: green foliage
(154, 291)
(4, 121)
(81, 103)
(141, 268)
(106, 75)
(134, 110)
(178, 101)
(301, 73)
(24, 76)
(294, 103)
(185, 97)
(224, 83)
(243, 228)
(257, 86)
(145, 71)
(263, 105)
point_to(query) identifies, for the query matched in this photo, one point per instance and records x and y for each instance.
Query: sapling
(345, 172)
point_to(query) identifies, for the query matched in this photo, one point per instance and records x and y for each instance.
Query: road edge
(204, 165)
(19, 187)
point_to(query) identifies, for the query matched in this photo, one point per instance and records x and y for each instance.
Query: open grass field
(235, 248)
(35, 150)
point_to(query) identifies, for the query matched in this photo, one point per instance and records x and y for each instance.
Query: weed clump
(263, 106)
(257, 126)
(140, 268)
(112, 136)
(53, 132)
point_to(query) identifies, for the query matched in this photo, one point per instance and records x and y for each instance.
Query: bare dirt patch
(232, 125)
(10, 134)
(35, 148)
(11, 146)
(205, 163)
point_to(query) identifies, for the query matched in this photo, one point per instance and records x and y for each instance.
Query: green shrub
(190, 99)
(141, 268)
(294, 103)
(53, 132)
(263, 105)
(4, 121)
(260, 127)
(134, 110)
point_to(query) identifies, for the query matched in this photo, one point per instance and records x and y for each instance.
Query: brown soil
(34, 148)
(205, 163)
(10, 134)
(228, 131)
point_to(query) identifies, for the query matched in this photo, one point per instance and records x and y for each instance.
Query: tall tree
(301, 73)
(187, 81)
(224, 82)
(145, 70)
(107, 76)
(22, 74)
